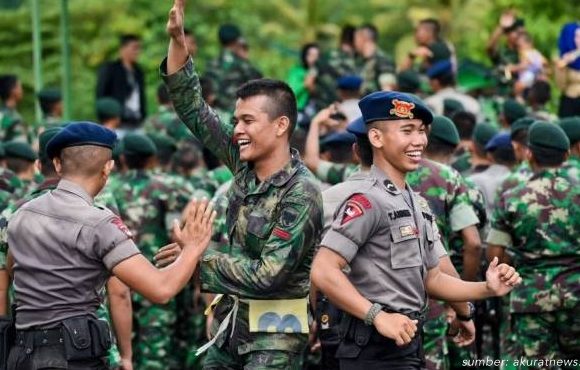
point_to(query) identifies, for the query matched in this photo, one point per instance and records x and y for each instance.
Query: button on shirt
(389, 244)
(64, 249)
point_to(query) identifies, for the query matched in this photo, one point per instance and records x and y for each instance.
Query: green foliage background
(275, 30)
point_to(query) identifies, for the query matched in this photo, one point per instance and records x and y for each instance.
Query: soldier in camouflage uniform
(229, 70)
(12, 126)
(535, 223)
(104, 199)
(571, 127)
(147, 205)
(373, 64)
(50, 101)
(165, 121)
(188, 163)
(20, 158)
(274, 218)
(447, 193)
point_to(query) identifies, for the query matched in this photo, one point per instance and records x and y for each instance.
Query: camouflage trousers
(114, 356)
(241, 349)
(441, 353)
(544, 336)
(189, 328)
(153, 344)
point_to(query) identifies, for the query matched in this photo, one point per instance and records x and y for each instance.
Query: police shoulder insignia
(121, 226)
(402, 109)
(355, 207)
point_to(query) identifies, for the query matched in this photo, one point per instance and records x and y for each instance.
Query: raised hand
(197, 229)
(167, 255)
(398, 327)
(501, 279)
(175, 21)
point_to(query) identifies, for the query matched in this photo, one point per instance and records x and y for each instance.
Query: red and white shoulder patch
(355, 207)
(121, 226)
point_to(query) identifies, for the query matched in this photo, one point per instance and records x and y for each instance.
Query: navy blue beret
(337, 138)
(80, 133)
(498, 141)
(351, 82)
(357, 127)
(441, 68)
(393, 105)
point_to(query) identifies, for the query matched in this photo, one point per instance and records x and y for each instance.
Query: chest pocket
(259, 229)
(405, 251)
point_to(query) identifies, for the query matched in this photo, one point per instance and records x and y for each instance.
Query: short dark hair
(521, 137)
(433, 25)
(47, 167)
(372, 30)
(7, 84)
(47, 106)
(282, 98)
(163, 94)
(128, 38)
(304, 52)
(465, 123)
(365, 150)
(540, 92)
(438, 147)
(504, 156)
(187, 157)
(548, 157)
(136, 162)
(347, 34)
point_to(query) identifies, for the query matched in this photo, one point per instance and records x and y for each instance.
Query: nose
(420, 139)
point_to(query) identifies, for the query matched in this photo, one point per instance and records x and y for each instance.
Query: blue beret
(357, 127)
(393, 105)
(498, 141)
(337, 138)
(80, 133)
(351, 82)
(441, 68)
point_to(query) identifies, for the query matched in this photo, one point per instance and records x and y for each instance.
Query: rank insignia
(402, 109)
(407, 230)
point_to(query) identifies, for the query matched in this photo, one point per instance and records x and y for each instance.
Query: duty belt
(37, 338)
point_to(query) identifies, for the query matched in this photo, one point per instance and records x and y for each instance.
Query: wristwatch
(373, 312)
(471, 314)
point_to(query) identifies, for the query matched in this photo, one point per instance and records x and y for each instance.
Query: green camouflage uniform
(331, 67)
(12, 125)
(227, 73)
(146, 205)
(203, 183)
(538, 222)
(447, 194)
(519, 175)
(335, 173)
(104, 199)
(9, 181)
(166, 122)
(371, 69)
(274, 226)
(462, 163)
(220, 175)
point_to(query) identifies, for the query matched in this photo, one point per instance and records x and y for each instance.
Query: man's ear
(108, 167)
(57, 165)
(375, 137)
(38, 165)
(283, 125)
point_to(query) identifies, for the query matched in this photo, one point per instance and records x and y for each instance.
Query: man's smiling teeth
(243, 143)
(414, 154)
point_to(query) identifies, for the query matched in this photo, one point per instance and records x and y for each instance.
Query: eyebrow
(412, 126)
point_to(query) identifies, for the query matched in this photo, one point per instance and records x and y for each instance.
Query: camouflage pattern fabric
(519, 175)
(166, 122)
(534, 221)
(12, 126)
(331, 67)
(273, 225)
(228, 72)
(335, 173)
(371, 69)
(462, 163)
(9, 181)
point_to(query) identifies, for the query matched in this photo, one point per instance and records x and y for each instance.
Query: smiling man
(388, 236)
(273, 220)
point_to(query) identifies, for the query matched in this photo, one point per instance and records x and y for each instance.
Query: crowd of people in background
(474, 177)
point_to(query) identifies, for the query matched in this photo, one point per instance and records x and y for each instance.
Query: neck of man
(90, 185)
(369, 50)
(477, 160)
(127, 63)
(27, 175)
(277, 160)
(10, 103)
(394, 174)
(440, 158)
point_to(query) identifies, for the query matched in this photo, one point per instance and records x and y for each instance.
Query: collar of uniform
(48, 184)
(75, 189)
(281, 177)
(382, 178)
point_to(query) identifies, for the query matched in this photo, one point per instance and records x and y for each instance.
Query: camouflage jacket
(9, 181)
(335, 173)
(273, 225)
(228, 72)
(11, 125)
(447, 194)
(332, 66)
(519, 175)
(371, 69)
(538, 222)
(166, 122)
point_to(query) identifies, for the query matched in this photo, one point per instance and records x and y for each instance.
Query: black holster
(7, 336)
(85, 338)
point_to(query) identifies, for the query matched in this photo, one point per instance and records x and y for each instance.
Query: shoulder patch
(282, 234)
(121, 226)
(362, 200)
(353, 210)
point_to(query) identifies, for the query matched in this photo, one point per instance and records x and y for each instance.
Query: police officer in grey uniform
(62, 250)
(388, 236)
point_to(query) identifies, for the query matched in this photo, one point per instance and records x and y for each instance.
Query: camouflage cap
(523, 123)
(571, 126)
(512, 110)
(443, 130)
(483, 132)
(547, 135)
(19, 149)
(138, 144)
(44, 138)
(108, 108)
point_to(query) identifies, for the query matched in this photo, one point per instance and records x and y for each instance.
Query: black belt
(415, 315)
(37, 338)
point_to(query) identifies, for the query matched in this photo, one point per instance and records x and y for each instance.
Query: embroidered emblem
(402, 109)
(121, 226)
(352, 211)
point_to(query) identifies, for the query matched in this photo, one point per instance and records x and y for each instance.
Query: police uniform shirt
(64, 249)
(388, 243)
(334, 196)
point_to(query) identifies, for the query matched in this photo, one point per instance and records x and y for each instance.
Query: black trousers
(362, 347)
(569, 107)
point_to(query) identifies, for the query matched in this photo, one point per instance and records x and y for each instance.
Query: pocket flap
(77, 329)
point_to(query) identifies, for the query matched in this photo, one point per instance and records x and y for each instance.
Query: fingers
(198, 211)
(177, 234)
(207, 213)
(493, 263)
(507, 272)
(514, 280)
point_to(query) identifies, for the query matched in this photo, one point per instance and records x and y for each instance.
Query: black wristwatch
(471, 314)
